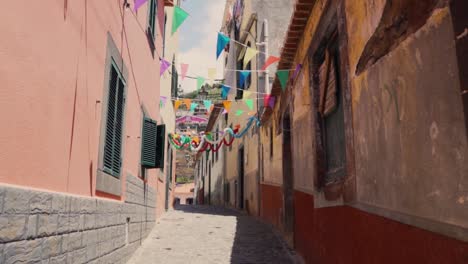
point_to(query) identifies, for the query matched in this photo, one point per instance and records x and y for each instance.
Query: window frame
(106, 182)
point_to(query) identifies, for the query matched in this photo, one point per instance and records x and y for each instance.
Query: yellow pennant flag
(212, 73)
(227, 105)
(249, 54)
(188, 103)
(177, 104)
(247, 94)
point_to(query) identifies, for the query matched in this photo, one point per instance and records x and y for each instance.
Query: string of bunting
(205, 142)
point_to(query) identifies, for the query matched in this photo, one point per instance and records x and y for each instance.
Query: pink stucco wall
(52, 57)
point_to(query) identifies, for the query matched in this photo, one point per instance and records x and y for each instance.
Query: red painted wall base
(345, 234)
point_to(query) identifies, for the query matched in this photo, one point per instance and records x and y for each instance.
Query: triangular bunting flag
(247, 94)
(227, 105)
(177, 104)
(164, 65)
(271, 102)
(296, 72)
(200, 82)
(249, 103)
(222, 42)
(242, 77)
(207, 104)
(266, 99)
(239, 112)
(225, 91)
(193, 106)
(225, 111)
(249, 54)
(212, 73)
(188, 103)
(270, 61)
(283, 78)
(179, 18)
(252, 113)
(162, 100)
(183, 70)
(138, 3)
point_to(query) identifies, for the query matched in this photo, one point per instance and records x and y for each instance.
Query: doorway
(240, 167)
(168, 178)
(288, 180)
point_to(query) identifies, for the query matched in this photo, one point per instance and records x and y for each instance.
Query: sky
(197, 39)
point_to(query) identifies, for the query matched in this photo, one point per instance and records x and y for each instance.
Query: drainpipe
(259, 150)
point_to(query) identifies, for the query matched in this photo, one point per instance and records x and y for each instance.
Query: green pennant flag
(179, 18)
(200, 82)
(239, 112)
(249, 103)
(283, 78)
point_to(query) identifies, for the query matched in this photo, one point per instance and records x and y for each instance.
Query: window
(217, 138)
(164, 35)
(330, 108)
(148, 143)
(160, 143)
(271, 141)
(174, 80)
(112, 159)
(152, 10)
(240, 89)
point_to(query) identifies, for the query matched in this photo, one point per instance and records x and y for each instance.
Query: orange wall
(52, 73)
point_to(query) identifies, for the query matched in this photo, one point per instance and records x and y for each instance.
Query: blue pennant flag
(222, 42)
(243, 76)
(225, 91)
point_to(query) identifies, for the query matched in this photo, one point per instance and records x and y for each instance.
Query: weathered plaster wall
(409, 125)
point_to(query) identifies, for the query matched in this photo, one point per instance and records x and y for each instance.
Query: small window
(271, 142)
(153, 7)
(217, 138)
(148, 143)
(330, 108)
(114, 123)
(160, 143)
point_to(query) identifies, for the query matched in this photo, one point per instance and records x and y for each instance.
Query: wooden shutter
(327, 85)
(148, 143)
(160, 143)
(114, 124)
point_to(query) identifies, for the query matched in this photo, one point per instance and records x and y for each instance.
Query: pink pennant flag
(164, 66)
(183, 70)
(138, 3)
(225, 112)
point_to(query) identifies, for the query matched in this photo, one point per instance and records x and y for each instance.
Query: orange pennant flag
(227, 105)
(188, 103)
(177, 104)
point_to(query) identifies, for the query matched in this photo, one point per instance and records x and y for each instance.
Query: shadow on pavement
(254, 242)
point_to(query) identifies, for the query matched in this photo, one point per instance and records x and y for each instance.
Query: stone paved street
(196, 234)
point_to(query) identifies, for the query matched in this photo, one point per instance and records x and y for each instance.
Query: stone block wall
(39, 226)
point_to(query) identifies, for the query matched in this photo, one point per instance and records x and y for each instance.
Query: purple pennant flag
(138, 3)
(224, 112)
(296, 72)
(271, 102)
(164, 66)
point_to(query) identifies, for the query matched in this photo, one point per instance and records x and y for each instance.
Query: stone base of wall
(50, 227)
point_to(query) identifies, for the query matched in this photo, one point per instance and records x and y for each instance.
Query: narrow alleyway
(200, 234)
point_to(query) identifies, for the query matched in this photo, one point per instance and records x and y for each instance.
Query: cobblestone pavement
(198, 234)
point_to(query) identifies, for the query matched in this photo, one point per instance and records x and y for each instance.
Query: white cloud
(202, 55)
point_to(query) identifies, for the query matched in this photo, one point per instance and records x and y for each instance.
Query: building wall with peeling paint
(409, 175)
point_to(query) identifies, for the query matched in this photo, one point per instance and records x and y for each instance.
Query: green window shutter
(161, 142)
(114, 124)
(148, 143)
